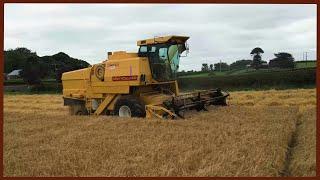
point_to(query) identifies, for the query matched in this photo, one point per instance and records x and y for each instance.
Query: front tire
(129, 106)
(78, 110)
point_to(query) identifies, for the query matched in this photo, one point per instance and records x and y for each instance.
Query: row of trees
(222, 66)
(35, 68)
(281, 60)
(218, 66)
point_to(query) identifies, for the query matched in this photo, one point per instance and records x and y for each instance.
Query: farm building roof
(15, 72)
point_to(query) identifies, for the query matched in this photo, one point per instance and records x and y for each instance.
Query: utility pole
(306, 58)
(220, 65)
(55, 73)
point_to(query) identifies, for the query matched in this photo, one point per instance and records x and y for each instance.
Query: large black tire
(221, 102)
(78, 110)
(136, 106)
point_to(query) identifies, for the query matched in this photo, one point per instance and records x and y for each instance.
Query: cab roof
(164, 39)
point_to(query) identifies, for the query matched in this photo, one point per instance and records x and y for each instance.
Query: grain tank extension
(139, 84)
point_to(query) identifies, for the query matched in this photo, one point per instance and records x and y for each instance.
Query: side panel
(121, 72)
(75, 83)
(110, 89)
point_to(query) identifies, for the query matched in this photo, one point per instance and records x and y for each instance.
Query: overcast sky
(217, 31)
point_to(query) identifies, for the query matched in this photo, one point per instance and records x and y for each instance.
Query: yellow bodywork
(157, 40)
(118, 75)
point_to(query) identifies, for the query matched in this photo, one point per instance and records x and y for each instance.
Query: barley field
(260, 133)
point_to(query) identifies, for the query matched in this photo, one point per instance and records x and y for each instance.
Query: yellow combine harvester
(139, 84)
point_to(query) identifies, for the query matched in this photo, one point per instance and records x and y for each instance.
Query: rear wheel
(129, 106)
(78, 110)
(222, 101)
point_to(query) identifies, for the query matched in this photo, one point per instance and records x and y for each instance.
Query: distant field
(260, 133)
(255, 79)
(20, 81)
(305, 64)
(13, 82)
(19, 86)
(298, 65)
(195, 75)
(217, 73)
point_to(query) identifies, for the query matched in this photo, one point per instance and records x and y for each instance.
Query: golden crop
(261, 133)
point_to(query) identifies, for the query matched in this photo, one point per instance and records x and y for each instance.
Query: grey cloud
(217, 31)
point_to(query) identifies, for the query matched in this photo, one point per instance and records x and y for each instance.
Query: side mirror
(186, 49)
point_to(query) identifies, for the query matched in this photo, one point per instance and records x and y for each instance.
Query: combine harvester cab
(139, 84)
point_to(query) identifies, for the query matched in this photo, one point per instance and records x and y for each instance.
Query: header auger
(139, 84)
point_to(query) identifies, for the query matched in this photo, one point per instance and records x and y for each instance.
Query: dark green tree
(240, 64)
(61, 63)
(256, 62)
(224, 66)
(282, 60)
(211, 67)
(205, 67)
(32, 72)
(49, 65)
(16, 58)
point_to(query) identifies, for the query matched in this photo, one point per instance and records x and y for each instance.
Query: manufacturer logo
(124, 78)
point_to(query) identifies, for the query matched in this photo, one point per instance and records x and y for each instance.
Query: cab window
(163, 54)
(153, 49)
(143, 49)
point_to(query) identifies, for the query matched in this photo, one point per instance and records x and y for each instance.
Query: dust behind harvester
(139, 84)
